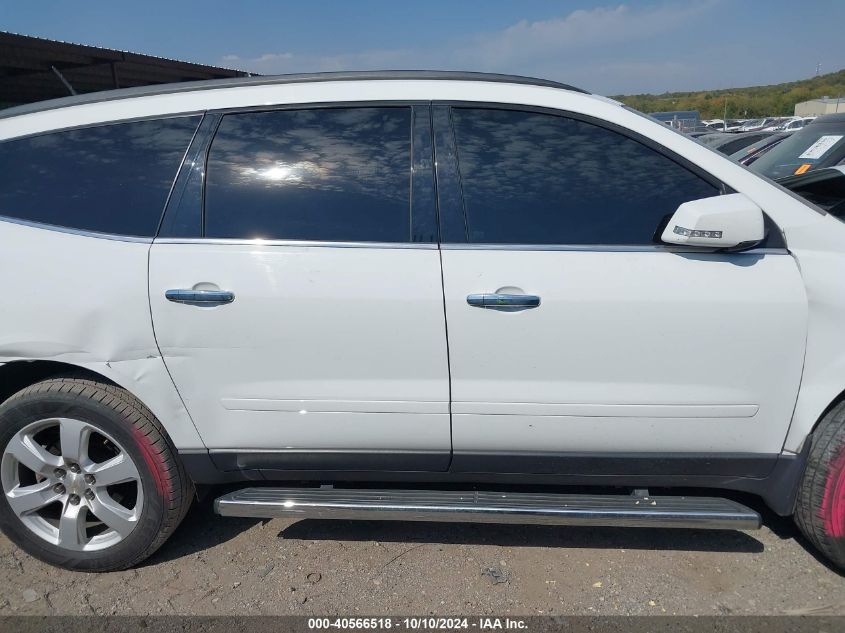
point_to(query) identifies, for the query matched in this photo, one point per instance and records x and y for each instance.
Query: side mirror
(731, 221)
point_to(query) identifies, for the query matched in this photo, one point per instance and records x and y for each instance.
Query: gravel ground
(224, 566)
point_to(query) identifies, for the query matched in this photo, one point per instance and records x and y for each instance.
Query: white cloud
(271, 63)
(570, 48)
(528, 41)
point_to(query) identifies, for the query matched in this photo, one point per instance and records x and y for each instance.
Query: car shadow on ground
(524, 535)
(201, 529)
(785, 528)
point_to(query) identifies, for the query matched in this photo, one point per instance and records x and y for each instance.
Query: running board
(489, 507)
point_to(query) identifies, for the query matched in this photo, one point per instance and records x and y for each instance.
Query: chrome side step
(489, 507)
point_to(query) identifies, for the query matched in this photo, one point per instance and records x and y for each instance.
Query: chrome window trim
(608, 248)
(596, 248)
(297, 243)
(78, 232)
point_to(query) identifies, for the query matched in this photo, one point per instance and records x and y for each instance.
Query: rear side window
(327, 174)
(533, 178)
(109, 178)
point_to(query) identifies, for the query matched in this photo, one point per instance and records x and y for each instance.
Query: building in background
(818, 107)
(35, 69)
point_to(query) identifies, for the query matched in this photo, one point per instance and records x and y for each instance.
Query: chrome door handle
(200, 297)
(495, 301)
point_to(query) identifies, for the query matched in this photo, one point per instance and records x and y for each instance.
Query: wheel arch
(144, 384)
(17, 375)
(839, 399)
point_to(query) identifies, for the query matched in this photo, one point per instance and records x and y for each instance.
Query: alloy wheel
(71, 484)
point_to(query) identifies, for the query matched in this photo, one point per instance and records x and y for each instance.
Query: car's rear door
(577, 343)
(299, 307)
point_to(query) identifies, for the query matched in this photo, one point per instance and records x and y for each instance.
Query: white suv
(444, 282)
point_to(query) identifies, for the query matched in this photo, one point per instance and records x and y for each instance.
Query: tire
(820, 507)
(121, 442)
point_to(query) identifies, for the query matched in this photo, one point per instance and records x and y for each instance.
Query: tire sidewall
(831, 506)
(28, 408)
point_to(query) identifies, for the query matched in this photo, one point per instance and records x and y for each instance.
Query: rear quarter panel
(83, 300)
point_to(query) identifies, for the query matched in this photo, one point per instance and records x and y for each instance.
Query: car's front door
(304, 326)
(578, 344)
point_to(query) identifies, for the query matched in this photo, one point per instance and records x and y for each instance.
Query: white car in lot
(477, 293)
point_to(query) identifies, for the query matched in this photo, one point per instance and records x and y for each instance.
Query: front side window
(534, 178)
(108, 178)
(328, 174)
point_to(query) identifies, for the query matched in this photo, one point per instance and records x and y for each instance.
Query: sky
(605, 47)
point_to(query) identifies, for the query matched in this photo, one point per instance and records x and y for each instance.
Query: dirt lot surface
(218, 566)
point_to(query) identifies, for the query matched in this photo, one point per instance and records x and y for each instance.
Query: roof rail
(264, 80)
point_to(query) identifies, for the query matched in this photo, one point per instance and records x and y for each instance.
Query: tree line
(756, 101)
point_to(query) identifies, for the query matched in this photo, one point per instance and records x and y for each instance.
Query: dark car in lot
(728, 143)
(748, 155)
(820, 144)
(823, 187)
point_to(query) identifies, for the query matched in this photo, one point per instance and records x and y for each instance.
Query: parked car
(774, 124)
(748, 155)
(451, 283)
(755, 125)
(793, 123)
(817, 145)
(733, 125)
(731, 143)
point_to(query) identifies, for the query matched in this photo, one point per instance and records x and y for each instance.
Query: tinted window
(825, 188)
(334, 174)
(732, 146)
(543, 179)
(110, 178)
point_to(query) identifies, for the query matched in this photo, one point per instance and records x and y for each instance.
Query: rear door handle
(200, 297)
(494, 301)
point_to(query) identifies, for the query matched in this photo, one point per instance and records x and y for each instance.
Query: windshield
(821, 144)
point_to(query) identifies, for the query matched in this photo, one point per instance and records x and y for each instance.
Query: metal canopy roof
(34, 69)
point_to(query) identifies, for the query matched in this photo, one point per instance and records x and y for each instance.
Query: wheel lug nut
(59, 472)
(74, 468)
(89, 479)
(59, 489)
(74, 500)
(89, 494)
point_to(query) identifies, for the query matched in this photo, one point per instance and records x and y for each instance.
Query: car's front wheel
(820, 508)
(90, 480)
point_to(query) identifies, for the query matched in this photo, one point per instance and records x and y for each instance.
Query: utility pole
(725, 118)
